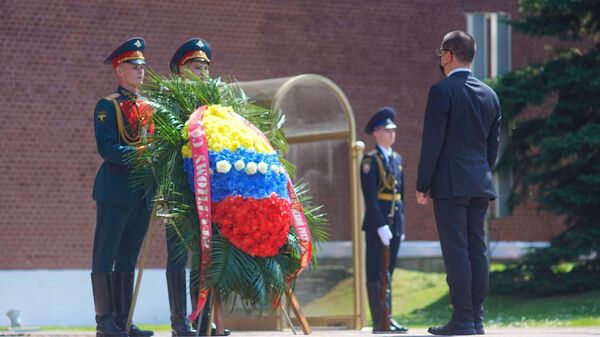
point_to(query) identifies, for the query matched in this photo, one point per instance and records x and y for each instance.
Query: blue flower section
(188, 167)
(239, 183)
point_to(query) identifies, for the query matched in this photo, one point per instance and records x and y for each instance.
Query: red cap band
(126, 56)
(193, 54)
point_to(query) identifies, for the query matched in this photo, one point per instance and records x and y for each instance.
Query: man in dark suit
(192, 58)
(458, 154)
(382, 181)
(122, 212)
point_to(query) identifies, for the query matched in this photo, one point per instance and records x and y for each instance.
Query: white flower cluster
(224, 166)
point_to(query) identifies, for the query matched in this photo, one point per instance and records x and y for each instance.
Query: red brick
(378, 52)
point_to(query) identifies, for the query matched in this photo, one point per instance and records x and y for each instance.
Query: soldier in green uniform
(120, 120)
(382, 182)
(192, 58)
(194, 55)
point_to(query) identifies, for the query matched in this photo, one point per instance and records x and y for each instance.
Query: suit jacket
(378, 198)
(460, 139)
(112, 183)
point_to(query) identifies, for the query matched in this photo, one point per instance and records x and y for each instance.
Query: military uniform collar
(386, 153)
(124, 92)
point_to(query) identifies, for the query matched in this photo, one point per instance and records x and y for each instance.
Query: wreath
(256, 246)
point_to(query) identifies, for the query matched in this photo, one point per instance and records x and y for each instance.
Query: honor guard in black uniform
(382, 181)
(191, 59)
(123, 213)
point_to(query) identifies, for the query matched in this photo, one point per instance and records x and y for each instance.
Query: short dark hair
(461, 44)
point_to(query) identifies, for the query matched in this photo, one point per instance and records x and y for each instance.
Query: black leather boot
(102, 290)
(123, 292)
(205, 318)
(373, 293)
(375, 304)
(395, 327)
(177, 302)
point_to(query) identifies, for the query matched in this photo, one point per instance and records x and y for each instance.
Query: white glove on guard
(385, 234)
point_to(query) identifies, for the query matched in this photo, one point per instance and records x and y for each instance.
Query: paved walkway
(494, 332)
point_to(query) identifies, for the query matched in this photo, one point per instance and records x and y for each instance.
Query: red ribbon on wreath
(199, 147)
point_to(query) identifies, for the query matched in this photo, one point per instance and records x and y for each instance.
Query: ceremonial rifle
(384, 323)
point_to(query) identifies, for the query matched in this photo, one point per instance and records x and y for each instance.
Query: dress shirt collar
(386, 153)
(457, 70)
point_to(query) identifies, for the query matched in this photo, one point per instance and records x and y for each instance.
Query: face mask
(442, 70)
(441, 66)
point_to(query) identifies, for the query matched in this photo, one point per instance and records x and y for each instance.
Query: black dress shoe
(453, 328)
(213, 332)
(182, 331)
(134, 331)
(393, 330)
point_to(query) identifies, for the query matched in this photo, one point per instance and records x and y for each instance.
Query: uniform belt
(389, 196)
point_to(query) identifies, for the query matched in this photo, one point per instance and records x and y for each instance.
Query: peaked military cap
(129, 51)
(193, 49)
(383, 118)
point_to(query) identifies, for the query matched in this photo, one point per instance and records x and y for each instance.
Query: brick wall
(378, 52)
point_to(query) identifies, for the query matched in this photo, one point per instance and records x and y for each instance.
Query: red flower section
(258, 227)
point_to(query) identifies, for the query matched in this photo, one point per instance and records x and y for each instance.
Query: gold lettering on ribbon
(199, 147)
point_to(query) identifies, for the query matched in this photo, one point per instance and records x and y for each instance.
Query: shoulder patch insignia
(366, 165)
(366, 168)
(101, 116)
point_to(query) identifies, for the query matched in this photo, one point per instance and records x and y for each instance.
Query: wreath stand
(217, 314)
(216, 305)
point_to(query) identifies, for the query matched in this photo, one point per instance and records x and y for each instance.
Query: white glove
(385, 234)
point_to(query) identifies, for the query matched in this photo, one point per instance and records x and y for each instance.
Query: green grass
(421, 299)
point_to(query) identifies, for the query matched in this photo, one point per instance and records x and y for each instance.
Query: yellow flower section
(186, 151)
(225, 131)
